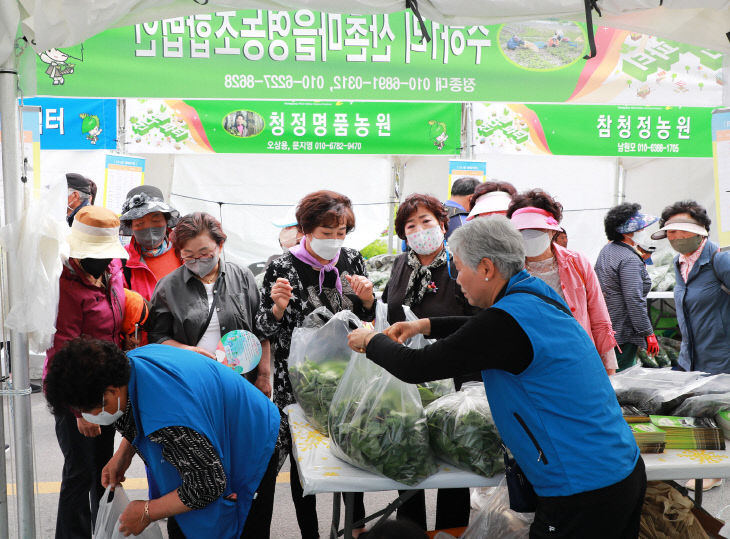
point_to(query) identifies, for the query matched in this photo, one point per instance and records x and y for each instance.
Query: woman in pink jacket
(537, 215)
(91, 303)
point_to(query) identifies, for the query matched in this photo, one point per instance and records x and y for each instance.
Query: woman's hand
(133, 520)
(400, 332)
(358, 340)
(113, 473)
(88, 429)
(281, 293)
(264, 384)
(201, 351)
(363, 289)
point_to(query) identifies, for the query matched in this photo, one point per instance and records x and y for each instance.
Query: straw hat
(95, 234)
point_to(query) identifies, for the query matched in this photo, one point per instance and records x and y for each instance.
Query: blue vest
(559, 417)
(174, 387)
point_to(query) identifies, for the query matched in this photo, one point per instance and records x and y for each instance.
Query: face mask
(150, 238)
(104, 417)
(536, 242)
(426, 241)
(95, 266)
(202, 266)
(325, 249)
(642, 238)
(686, 246)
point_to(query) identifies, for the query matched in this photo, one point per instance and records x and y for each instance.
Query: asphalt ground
(49, 463)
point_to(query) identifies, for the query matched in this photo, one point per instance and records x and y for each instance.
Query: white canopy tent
(56, 23)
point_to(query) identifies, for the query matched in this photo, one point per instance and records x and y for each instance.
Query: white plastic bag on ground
(107, 519)
(317, 360)
(496, 520)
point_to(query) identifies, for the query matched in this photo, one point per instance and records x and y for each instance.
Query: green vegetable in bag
(646, 359)
(430, 391)
(462, 432)
(314, 386)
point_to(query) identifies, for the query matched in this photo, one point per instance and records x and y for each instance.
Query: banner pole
(14, 192)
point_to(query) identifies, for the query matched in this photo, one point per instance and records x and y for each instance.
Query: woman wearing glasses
(424, 279)
(194, 306)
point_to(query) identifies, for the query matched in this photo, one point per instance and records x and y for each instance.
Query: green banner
(258, 54)
(600, 130)
(329, 127)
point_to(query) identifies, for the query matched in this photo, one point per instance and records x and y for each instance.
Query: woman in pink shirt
(537, 215)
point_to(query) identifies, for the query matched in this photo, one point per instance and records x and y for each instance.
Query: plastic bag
(667, 513)
(377, 422)
(497, 521)
(462, 433)
(107, 518)
(703, 405)
(318, 356)
(656, 391)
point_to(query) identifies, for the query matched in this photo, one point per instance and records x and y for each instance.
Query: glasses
(202, 254)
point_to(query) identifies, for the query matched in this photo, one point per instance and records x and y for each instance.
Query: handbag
(522, 496)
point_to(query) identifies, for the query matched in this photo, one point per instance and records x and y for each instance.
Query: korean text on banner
(121, 174)
(77, 124)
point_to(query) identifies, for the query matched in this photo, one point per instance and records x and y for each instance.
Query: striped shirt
(190, 453)
(625, 284)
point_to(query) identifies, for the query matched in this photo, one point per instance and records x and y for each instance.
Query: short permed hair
(536, 198)
(410, 205)
(195, 224)
(616, 217)
(490, 187)
(464, 186)
(697, 212)
(80, 372)
(324, 208)
(493, 237)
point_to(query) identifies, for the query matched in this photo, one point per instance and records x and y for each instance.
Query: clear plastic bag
(107, 518)
(377, 422)
(656, 391)
(462, 432)
(496, 520)
(703, 405)
(318, 356)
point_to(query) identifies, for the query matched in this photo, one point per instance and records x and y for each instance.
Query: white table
(321, 472)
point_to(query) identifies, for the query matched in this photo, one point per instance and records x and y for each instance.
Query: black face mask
(95, 266)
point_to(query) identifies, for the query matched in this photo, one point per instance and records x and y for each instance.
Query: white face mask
(325, 249)
(536, 242)
(642, 238)
(426, 240)
(104, 418)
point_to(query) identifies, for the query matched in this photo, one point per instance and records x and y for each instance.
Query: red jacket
(141, 278)
(86, 309)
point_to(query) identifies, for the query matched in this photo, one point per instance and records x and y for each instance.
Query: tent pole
(620, 187)
(393, 201)
(13, 190)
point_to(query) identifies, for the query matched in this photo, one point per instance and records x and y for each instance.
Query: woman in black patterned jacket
(317, 272)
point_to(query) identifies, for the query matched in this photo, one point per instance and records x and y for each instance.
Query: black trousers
(258, 522)
(84, 458)
(306, 506)
(453, 506)
(612, 512)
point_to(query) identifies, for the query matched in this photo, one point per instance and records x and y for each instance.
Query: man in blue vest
(459, 203)
(206, 434)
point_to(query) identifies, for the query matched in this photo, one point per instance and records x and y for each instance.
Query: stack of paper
(633, 415)
(690, 432)
(723, 420)
(649, 437)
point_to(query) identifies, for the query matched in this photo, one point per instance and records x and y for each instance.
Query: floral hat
(638, 221)
(142, 200)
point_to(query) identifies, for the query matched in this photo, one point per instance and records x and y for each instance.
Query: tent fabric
(257, 192)
(57, 23)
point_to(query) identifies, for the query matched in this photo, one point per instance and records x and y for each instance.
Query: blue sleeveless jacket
(559, 417)
(174, 387)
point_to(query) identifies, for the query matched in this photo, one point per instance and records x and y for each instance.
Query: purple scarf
(300, 252)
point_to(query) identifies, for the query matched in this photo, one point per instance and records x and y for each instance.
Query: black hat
(142, 200)
(78, 182)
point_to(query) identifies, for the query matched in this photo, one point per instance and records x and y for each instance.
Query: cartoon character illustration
(57, 66)
(438, 132)
(90, 126)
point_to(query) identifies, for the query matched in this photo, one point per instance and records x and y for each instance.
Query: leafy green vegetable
(386, 440)
(314, 385)
(646, 359)
(463, 433)
(430, 391)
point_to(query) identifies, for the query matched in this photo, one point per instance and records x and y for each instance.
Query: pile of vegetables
(314, 385)
(377, 423)
(462, 433)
